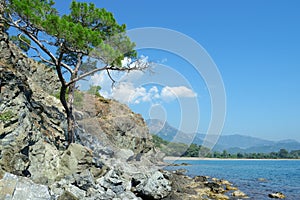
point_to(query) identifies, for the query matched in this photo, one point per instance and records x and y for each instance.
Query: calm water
(280, 175)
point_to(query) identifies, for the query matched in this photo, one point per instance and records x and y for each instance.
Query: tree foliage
(94, 90)
(84, 41)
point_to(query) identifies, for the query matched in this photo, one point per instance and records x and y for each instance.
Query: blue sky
(256, 47)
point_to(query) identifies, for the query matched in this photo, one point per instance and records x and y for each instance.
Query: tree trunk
(1, 16)
(70, 118)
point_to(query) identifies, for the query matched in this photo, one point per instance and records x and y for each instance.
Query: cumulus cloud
(127, 91)
(171, 93)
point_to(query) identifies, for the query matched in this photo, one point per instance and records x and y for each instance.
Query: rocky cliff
(113, 157)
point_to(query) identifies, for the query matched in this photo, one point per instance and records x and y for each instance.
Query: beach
(172, 158)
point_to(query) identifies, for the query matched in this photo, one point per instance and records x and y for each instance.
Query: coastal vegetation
(5, 116)
(194, 150)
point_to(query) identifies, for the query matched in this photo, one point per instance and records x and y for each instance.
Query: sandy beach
(171, 158)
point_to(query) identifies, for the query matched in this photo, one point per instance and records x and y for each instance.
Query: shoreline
(173, 158)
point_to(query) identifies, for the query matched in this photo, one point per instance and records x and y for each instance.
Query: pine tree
(87, 34)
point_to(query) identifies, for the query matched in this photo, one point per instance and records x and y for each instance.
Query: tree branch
(111, 78)
(137, 66)
(87, 74)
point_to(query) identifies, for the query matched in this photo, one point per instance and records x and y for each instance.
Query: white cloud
(125, 61)
(97, 79)
(171, 93)
(126, 93)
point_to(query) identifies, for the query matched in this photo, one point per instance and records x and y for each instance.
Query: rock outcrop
(112, 141)
(113, 157)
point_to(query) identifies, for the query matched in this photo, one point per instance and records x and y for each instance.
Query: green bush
(94, 90)
(78, 97)
(6, 116)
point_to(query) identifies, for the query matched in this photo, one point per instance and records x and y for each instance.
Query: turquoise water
(280, 175)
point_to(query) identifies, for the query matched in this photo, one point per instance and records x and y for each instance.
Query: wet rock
(229, 187)
(180, 171)
(200, 178)
(277, 195)
(215, 187)
(262, 179)
(239, 193)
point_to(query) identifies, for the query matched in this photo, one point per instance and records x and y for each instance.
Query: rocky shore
(113, 157)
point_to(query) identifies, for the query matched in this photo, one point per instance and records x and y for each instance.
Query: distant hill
(167, 132)
(273, 147)
(232, 143)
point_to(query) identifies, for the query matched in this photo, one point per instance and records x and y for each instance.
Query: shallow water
(257, 178)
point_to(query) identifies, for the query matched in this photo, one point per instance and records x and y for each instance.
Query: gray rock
(124, 154)
(7, 186)
(155, 186)
(84, 180)
(13, 187)
(45, 163)
(239, 193)
(128, 196)
(75, 191)
(276, 195)
(114, 181)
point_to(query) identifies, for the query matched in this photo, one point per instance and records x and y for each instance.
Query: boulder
(13, 187)
(239, 193)
(200, 178)
(45, 163)
(277, 195)
(229, 187)
(156, 186)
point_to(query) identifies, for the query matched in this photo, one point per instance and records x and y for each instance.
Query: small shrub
(94, 90)
(6, 116)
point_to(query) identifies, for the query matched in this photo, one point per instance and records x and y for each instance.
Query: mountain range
(234, 143)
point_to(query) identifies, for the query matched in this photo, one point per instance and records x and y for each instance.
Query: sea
(256, 178)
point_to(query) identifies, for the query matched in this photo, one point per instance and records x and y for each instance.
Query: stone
(239, 193)
(75, 191)
(220, 197)
(277, 195)
(128, 196)
(67, 196)
(84, 180)
(13, 187)
(229, 187)
(215, 187)
(7, 186)
(262, 179)
(44, 160)
(155, 187)
(27, 190)
(200, 178)
(124, 154)
(75, 159)
(180, 171)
